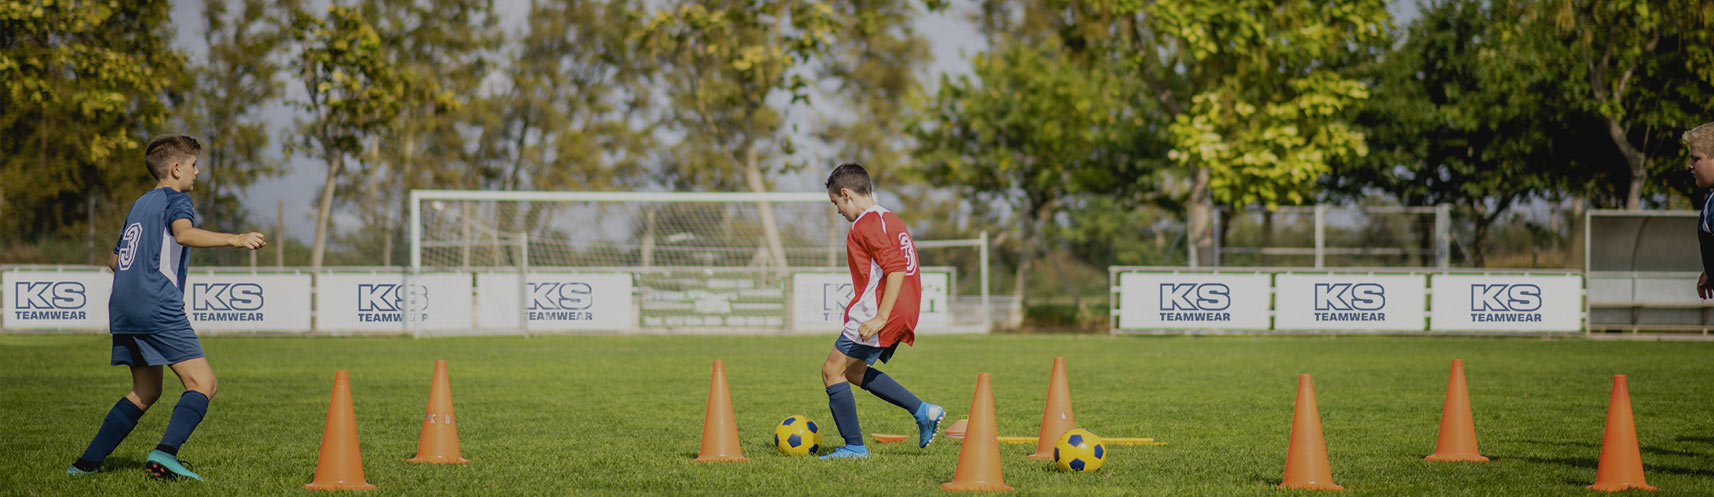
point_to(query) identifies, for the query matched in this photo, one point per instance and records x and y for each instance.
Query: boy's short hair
(1700, 139)
(850, 176)
(164, 150)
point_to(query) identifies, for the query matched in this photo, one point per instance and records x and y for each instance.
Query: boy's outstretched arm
(192, 236)
(895, 281)
(113, 262)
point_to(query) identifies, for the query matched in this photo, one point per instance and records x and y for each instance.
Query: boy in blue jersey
(146, 310)
(1700, 142)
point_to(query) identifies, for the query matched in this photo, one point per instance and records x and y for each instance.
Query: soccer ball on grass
(797, 436)
(1078, 450)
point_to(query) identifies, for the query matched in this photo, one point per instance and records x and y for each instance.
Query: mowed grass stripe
(612, 415)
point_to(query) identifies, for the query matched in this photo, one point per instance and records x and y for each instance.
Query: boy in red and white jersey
(883, 312)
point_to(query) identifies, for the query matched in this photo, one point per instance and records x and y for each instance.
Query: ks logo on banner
(834, 298)
(1505, 303)
(226, 301)
(1350, 302)
(386, 302)
(49, 300)
(561, 301)
(1195, 302)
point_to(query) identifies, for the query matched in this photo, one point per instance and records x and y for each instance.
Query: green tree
(1459, 117)
(730, 68)
(238, 77)
(1644, 68)
(86, 84)
(442, 50)
(1259, 107)
(575, 113)
(1030, 131)
(352, 93)
(871, 67)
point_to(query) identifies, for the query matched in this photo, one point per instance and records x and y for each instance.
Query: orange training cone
(1457, 427)
(341, 464)
(957, 428)
(1056, 416)
(1621, 461)
(1306, 459)
(719, 426)
(439, 441)
(979, 458)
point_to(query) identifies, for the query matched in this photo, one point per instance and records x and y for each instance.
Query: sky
(951, 35)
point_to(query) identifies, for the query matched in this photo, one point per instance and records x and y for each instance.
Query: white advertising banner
(557, 301)
(936, 312)
(819, 300)
(248, 302)
(1151, 301)
(47, 300)
(1350, 302)
(384, 302)
(1507, 303)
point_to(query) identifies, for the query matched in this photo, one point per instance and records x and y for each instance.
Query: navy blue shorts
(865, 353)
(155, 349)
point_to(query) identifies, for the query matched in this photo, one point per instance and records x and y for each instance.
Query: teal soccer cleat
(164, 465)
(72, 470)
(848, 452)
(928, 422)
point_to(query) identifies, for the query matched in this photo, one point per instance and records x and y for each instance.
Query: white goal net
(646, 262)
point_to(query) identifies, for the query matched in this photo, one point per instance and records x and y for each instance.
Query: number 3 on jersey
(128, 245)
(910, 250)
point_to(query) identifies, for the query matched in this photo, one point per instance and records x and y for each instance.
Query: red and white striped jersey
(878, 245)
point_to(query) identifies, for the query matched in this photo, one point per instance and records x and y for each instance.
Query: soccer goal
(662, 262)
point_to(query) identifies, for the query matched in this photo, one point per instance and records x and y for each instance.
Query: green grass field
(622, 415)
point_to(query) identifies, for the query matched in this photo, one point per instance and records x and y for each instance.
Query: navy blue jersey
(1705, 234)
(149, 279)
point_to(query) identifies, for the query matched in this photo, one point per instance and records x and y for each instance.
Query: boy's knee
(144, 398)
(857, 378)
(829, 374)
(207, 386)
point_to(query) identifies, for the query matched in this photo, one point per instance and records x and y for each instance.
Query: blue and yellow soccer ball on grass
(797, 436)
(1078, 451)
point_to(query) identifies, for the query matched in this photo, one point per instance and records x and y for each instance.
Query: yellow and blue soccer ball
(797, 436)
(1078, 450)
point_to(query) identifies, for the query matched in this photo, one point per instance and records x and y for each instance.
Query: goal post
(661, 262)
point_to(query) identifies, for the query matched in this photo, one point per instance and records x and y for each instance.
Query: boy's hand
(251, 240)
(1703, 289)
(869, 328)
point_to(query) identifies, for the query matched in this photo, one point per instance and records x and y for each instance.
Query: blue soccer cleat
(164, 465)
(928, 422)
(848, 452)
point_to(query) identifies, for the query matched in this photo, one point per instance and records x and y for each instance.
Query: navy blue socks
(883, 386)
(186, 415)
(844, 407)
(121, 419)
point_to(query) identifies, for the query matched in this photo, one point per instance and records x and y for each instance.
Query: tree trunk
(1574, 251)
(1027, 247)
(1197, 218)
(648, 250)
(1267, 237)
(1635, 159)
(407, 163)
(1059, 273)
(323, 212)
(770, 230)
(280, 233)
